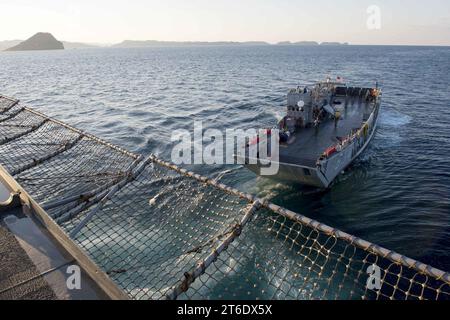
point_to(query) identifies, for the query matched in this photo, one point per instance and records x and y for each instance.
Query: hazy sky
(110, 21)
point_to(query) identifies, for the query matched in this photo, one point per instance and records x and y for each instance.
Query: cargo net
(160, 232)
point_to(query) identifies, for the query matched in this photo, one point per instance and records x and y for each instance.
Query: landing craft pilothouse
(327, 126)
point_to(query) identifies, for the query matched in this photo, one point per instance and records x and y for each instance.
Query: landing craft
(327, 126)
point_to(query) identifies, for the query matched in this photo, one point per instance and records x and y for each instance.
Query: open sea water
(397, 194)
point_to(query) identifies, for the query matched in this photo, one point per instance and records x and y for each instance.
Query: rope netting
(161, 232)
(6, 104)
(277, 258)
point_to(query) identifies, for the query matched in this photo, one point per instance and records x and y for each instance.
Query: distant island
(40, 41)
(46, 41)
(334, 44)
(156, 43)
(311, 43)
(300, 43)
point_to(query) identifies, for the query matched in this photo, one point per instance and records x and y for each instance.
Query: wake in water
(393, 118)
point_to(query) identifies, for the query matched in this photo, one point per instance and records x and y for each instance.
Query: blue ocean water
(397, 194)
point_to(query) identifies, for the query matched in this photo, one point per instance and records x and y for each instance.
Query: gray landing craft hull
(313, 176)
(323, 172)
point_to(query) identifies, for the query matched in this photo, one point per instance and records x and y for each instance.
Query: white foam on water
(390, 124)
(269, 189)
(392, 118)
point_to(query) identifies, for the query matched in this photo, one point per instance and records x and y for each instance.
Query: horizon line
(342, 44)
(283, 42)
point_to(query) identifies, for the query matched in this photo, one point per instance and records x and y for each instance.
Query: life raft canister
(330, 151)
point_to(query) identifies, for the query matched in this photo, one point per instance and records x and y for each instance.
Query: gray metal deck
(19, 277)
(33, 264)
(308, 144)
